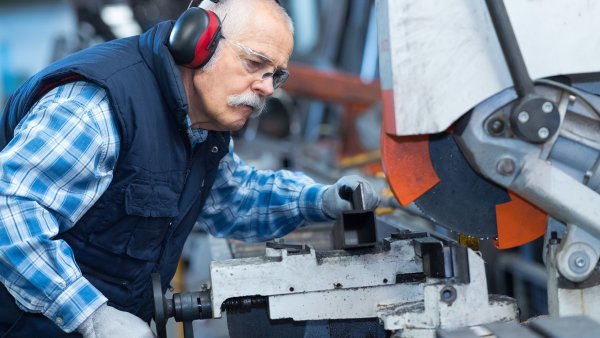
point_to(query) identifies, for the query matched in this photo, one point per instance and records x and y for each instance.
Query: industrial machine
(477, 146)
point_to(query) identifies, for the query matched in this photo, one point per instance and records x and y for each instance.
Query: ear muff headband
(194, 37)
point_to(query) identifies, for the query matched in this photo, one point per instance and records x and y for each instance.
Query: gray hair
(234, 15)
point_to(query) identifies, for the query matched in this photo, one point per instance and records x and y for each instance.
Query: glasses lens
(279, 77)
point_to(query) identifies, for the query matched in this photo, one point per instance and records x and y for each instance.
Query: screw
(547, 107)
(572, 98)
(496, 126)
(543, 133)
(523, 117)
(506, 166)
(579, 262)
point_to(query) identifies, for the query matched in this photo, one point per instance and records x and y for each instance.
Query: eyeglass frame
(278, 80)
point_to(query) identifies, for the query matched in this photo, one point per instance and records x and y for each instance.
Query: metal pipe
(510, 48)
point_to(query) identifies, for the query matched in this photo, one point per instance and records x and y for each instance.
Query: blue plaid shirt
(61, 161)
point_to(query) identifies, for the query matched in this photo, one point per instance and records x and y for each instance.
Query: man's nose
(264, 86)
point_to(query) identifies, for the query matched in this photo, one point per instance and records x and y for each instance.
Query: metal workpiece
(448, 306)
(358, 281)
(355, 228)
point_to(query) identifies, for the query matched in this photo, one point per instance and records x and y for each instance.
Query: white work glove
(108, 322)
(334, 205)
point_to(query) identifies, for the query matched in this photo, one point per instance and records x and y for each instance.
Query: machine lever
(510, 48)
(533, 118)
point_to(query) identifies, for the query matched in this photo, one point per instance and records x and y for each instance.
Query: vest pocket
(151, 200)
(152, 207)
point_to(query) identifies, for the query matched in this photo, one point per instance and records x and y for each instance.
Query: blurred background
(334, 66)
(324, 121)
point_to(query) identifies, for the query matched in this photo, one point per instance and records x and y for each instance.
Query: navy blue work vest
(139, 225)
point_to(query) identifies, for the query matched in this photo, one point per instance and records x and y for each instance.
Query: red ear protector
(195, 36)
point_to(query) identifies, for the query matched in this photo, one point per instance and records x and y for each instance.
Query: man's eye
(253, 65)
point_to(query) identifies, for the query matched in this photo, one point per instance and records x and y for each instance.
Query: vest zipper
(188, 170)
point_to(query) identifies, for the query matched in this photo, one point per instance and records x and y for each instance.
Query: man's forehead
(268, 35)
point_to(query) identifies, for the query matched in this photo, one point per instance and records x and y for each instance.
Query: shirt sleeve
(258, 205)
(54, 169)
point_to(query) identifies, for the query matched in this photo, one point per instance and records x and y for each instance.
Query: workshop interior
(477, 121)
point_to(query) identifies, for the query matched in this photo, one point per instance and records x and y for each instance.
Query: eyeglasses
(257, 63)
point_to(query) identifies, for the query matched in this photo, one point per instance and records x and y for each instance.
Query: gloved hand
(108, 322)
(334, 204)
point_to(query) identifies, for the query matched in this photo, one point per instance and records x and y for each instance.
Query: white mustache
(257, 102)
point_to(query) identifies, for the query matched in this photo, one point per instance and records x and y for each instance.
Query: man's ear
(194, 37)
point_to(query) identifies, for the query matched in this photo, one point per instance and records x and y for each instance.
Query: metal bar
(559, 194)
(510, 48)
(188, 329)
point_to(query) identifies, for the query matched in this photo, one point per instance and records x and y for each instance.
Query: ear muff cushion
(194, 37)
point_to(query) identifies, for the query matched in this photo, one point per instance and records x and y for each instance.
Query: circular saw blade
(431, 173)
(463, 201)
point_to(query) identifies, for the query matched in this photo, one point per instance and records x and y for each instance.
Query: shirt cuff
(311, 203)
(75, 304)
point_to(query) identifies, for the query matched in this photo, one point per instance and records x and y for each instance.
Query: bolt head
(543, 133)
(506, 166)
(579, 261)
(547, 107)
(523, 117)
(496, 126)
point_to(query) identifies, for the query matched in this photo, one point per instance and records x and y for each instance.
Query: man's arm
(258, 205)
(56, 167)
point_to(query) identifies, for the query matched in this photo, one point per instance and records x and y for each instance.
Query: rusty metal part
(331, 86)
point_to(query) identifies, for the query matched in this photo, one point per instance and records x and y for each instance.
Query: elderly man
(111, 155)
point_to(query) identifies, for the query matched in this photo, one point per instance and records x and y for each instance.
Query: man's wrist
(75, 304)
(311, 203)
